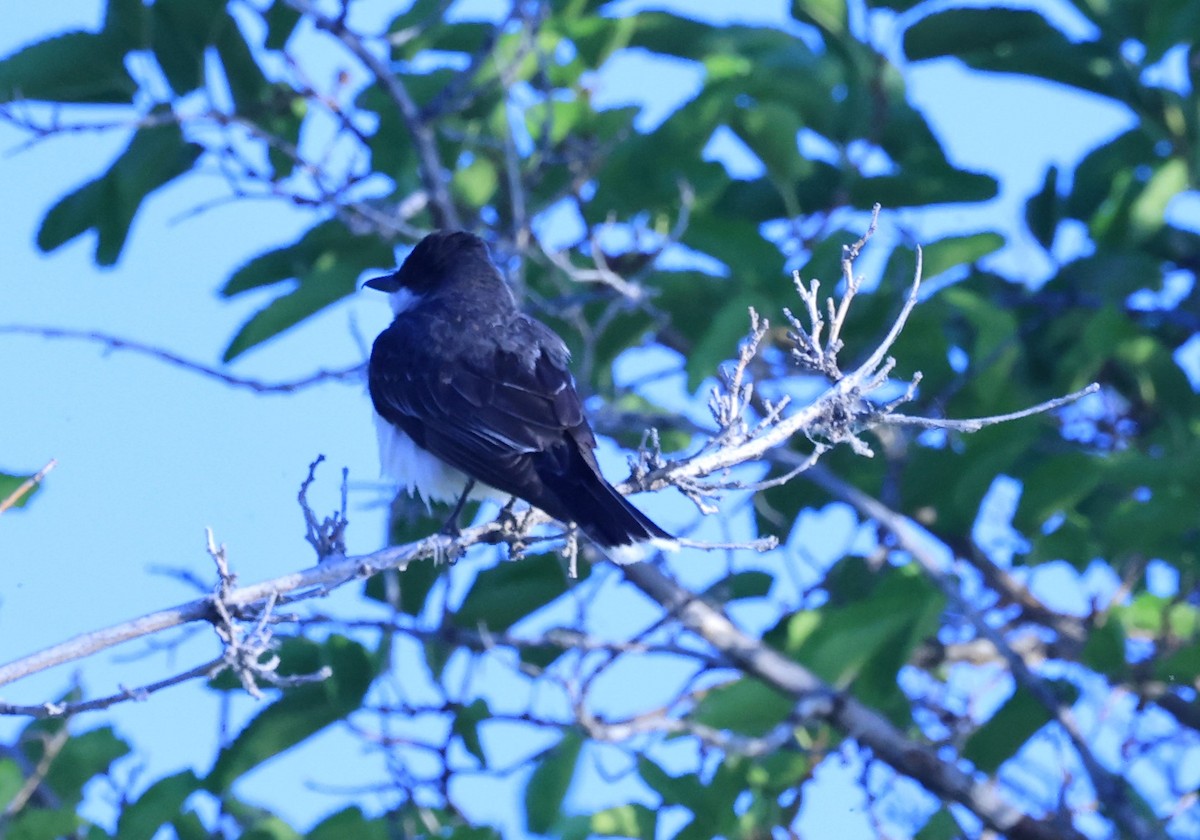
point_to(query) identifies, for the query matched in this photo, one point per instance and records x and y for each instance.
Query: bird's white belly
(421, 473)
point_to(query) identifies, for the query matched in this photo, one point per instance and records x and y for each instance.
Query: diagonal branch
(1113, 792)
(818, 701)
(433, 174)
(317, 580)
(59, 710)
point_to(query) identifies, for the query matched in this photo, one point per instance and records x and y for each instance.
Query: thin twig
(113, 342)
(138, 694)
(974, 424)
(328, 537)
(52, 746)
(433, 174)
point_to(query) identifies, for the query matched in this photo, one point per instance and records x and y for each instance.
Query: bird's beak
(389, 284)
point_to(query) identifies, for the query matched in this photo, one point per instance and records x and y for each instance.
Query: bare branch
(818, 702)
(137, 694)
(328, 537)
(317, 580)
(113, 342)
(974, 424)
(838, 415)
(433, 174)
(1112, 790)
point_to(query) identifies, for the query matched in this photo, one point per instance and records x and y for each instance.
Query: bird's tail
(615, 524)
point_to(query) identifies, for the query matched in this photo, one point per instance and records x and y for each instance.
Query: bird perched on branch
(469, 391)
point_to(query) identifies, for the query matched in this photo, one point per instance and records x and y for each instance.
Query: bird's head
(433, 261)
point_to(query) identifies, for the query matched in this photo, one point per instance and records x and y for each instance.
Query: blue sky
(149, 455)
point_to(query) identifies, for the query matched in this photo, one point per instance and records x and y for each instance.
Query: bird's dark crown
(433, 259)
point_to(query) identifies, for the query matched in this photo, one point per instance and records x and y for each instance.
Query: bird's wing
(488, 408)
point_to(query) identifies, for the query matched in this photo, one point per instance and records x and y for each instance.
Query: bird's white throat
(402, 300)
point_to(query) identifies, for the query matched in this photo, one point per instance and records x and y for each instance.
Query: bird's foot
(448, 553)
(450, 528)
(513, 529)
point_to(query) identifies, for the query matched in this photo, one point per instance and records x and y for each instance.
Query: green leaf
(549, 783)
(1104, 651)
(420, 13)
(249, 87)
(780, 771)
(633, 820)
(554, 120)
(189, 826)
(466, 726)
(1044, 210)
(82, 758)
(1056, 485)
(327, 261)
(739, 585)
(181, 31)
(724, 331)
(1179, 668)
(476, 183)
(866, 632)
(283, 118)
(161, 803)
(966, 32)
(1014, 723)
(1111, 273)
(940, 826)
(873, 633)
(350, 822)
(11, 781)
(685, 789)
(828, 15)
(511, 590)
(9, 484)
(1156, 615)
(270, 828)
(1102, 170)
(1019, 41)
(300, 713)
(954, 251)
(1147, 211)
(540, 656)
(155, 156)
(1165, 25)
(77, 67)
(126, 23)
(465, 37)
(770, 129)
(42, 824)
(747, 705)
(916, 186)
(281, 20)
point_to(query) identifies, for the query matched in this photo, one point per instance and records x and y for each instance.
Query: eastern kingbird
(468, 389)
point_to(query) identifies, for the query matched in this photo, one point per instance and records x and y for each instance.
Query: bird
(474, 397)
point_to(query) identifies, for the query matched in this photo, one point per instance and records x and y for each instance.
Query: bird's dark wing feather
(501, 411)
